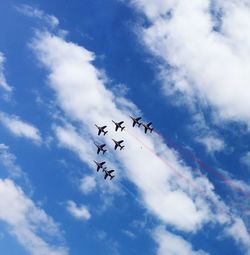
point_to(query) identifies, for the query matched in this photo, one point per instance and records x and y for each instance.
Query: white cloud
(27, 221)
(8, 160)
(211, 143)
(155, 170)
(246, 159)
(171, 244)
(129, 233)
(20, 128)
(3, 82)
(207, 54)
(80, 212)
(87, 184)
(39, 14)
(239, 231)
(69, 138)
(153, 8)
(205, 135)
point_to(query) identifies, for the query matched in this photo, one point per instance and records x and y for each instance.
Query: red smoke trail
(204, 166)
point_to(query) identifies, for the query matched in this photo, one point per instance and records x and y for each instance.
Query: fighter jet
(147, 127)
(100, 148)
(108, 173)
(136, 121)
(118, 144)
(100, 165)
(118, 125)
(101, 130)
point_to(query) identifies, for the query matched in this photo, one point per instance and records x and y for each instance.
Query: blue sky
(65, 66)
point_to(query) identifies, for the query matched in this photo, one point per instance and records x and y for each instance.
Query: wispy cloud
(241, 234)
(80, 212)
(34, 12)
(20, 128)
(3, 82)
(87, 184)
(246, 159)
(8, 160)
(211, 143)
(173, 244)
(239, 186)
(205, 135)
(27, 221)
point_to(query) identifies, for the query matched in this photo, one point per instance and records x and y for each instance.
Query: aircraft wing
(99, 132)
(111, 171)
(145, 130)
(120, 123)
(104, 127)
(102, 145)
(138, 119)
(121, 141)
(98, 168)
(116, 128)
(134, 123)
(116, 146)
(98, 150)
(150, 123)
(106, 175)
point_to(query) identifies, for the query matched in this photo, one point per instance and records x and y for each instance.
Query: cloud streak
(3, 81)
(80, 212)
(20, 128)
(32, 12)
(172, 244)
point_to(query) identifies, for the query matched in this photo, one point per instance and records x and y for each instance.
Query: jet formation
(118, 144)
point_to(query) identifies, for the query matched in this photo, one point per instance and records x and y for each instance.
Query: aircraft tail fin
(139, 124)
(122, 147)
(151, 130)
(111, 177)
(105, 132)
(122, 128)
(104, 151)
